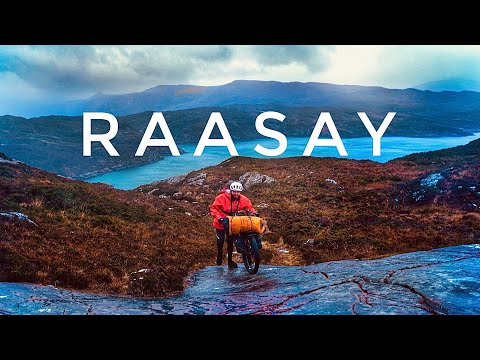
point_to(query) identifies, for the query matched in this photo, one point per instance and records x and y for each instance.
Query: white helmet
(236, 186)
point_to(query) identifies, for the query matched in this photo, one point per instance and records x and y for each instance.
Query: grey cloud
(54, 68)
(84, 69)
(77, 71)
(177, 64)
(208, 53)
(412, 65)
(315, 58)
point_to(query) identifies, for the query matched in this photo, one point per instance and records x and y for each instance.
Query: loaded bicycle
(246, 230)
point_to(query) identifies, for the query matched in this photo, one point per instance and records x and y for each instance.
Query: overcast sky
(45, 74)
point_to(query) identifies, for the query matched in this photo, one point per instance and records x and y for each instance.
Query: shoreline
(110, 170)
(121, 167)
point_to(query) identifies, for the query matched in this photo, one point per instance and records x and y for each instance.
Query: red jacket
(224, 206)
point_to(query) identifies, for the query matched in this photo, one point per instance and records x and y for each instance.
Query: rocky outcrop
(442, 281)
(16, 216)
(455, 187)
(7, 160)
(198, 180)
(431, 180)
(253, 178)
(173, 179)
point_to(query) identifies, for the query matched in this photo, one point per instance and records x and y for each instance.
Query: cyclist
(228, 203)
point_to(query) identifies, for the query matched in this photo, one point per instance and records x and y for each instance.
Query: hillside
(249, 92)
(96, 238)
(454, 176)
(54, 143)
(468, 154)
(331, 209)
(93, 237)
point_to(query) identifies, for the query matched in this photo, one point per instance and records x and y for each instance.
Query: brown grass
(93, 237)
(369, 213)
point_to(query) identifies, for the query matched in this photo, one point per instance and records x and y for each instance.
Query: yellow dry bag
(239, 224)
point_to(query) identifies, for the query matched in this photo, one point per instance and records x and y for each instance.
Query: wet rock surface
(441, 281)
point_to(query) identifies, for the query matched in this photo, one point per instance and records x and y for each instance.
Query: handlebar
(224, 220)
(247, 213)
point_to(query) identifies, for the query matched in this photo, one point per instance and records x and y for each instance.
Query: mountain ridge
(451, 84)
(180, 97)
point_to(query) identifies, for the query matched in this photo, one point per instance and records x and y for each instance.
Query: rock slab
(441, 281)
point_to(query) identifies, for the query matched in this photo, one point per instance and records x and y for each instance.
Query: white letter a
(323, 119)
(215, 118)
(157, 118)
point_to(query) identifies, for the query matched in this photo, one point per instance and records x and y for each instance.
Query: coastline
(104, 171)
(108, 170)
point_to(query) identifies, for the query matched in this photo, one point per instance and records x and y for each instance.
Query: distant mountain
(450, 85)
(361, 98)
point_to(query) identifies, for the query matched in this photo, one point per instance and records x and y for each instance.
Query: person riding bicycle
(229, 203)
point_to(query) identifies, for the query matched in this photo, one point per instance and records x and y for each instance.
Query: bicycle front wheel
(251, 257)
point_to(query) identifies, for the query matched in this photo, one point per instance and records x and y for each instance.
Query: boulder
(253, 178)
